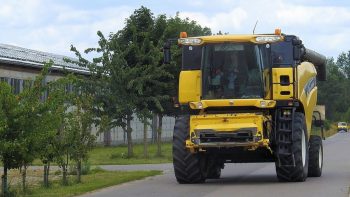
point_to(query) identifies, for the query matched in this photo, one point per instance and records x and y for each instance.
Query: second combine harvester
(246, 98)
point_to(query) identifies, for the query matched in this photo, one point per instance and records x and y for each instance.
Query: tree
(9, 131)
(129, 75)
(140, 57)
(78, 124)
(125, 76)
(156, 84)
(48, 140)
(151, 75)
(26, 118)
(343, 62)
(334, 92)
(113, 97)
(34, 120)
(51, 141)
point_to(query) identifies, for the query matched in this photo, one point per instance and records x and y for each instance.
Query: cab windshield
(232, 71)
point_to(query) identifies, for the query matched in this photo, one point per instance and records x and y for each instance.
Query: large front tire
(188, 167)
(299, 147)
(315, 156)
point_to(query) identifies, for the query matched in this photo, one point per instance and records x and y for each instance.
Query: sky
(52, 26)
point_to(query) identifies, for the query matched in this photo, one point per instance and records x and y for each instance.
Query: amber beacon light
(183, 34)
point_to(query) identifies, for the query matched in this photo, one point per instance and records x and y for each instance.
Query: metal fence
(117, 136)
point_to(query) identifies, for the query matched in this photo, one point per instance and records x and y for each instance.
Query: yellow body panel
(190, 86)
(306, 73)
(226, 122)
(279, 90)
(305, 91)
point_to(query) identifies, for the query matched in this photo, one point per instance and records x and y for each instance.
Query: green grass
(117, 155)
(90, 182)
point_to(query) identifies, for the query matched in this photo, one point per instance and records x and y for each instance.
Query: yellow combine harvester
(246, 98)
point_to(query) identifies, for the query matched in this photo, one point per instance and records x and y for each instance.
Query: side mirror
(296, 53)
(298, 49)
(166, 53)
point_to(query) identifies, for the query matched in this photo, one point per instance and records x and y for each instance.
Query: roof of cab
(232, 38)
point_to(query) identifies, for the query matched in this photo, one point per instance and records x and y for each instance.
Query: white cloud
(221, 21)
(196, 3)
(307, 15)
(52, 27)
(21, 13)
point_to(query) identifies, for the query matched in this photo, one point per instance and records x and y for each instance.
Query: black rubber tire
(188, 167)
(316, 148)
(299, 172)
(214, 172)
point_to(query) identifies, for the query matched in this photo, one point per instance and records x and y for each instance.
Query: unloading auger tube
(319, 61)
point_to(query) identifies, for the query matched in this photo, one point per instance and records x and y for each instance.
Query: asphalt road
(245, 180)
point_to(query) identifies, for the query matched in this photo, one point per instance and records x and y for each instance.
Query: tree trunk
(79, 171)
(107, 138)
(45, 171)
(145, 145)
(46, 174)
(64, 173)
(4, 182)
(159, 135)
(129, 138)
(24, 176)
(154, 128)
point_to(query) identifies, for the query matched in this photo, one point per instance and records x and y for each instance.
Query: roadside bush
(327, 124)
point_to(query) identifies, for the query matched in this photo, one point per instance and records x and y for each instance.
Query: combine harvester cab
(246, 98)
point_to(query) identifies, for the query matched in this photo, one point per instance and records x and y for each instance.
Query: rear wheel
(188, 167)
(295, 169)
(315, 156)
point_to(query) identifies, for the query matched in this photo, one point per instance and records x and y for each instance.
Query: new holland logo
(310, 85)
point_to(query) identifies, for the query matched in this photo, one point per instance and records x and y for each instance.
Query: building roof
(27, 57)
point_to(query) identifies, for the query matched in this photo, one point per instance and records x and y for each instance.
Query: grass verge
(95, 180)
(118, 155)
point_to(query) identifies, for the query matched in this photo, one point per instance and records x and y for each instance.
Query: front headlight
(264, 39)
(190, 41)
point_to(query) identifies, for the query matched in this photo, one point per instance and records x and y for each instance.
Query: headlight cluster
(264, 39)
(190, 41)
